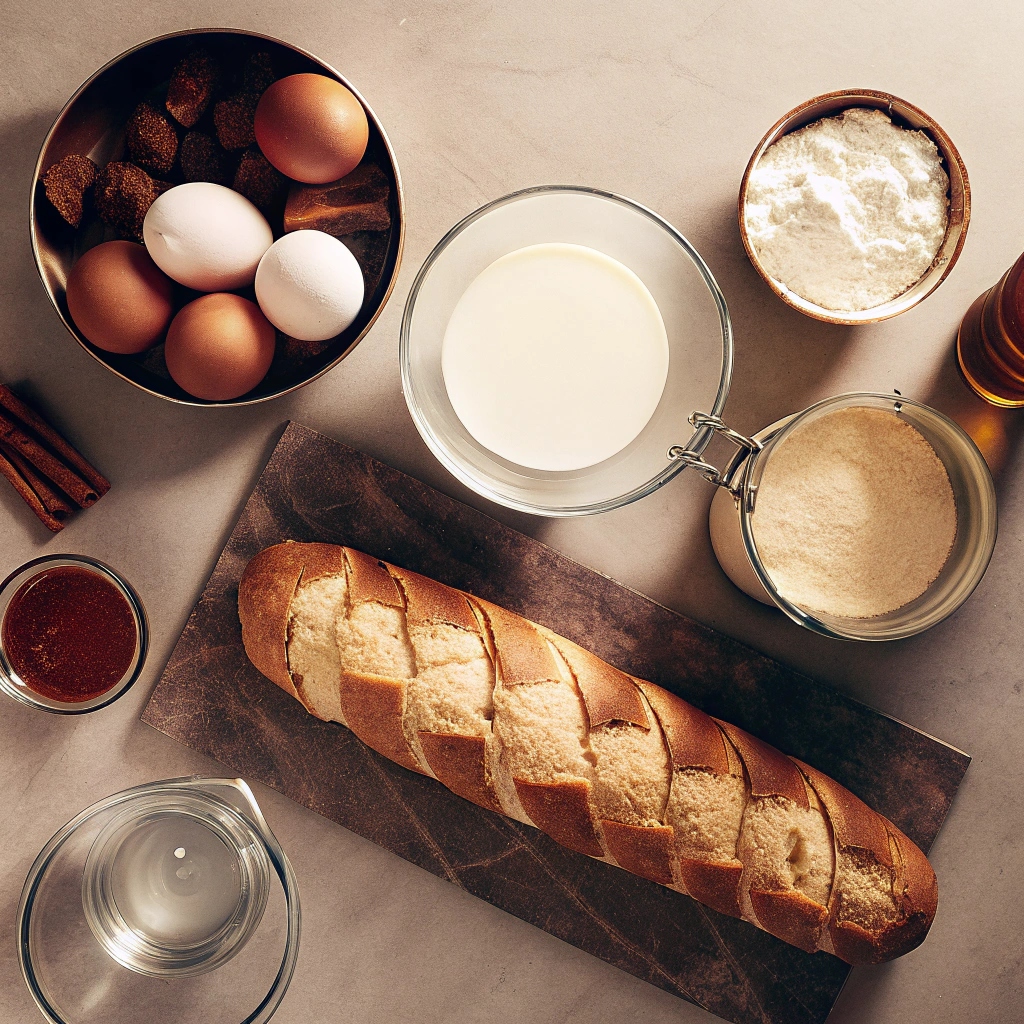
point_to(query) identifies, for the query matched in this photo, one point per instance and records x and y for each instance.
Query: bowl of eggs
(217, 217)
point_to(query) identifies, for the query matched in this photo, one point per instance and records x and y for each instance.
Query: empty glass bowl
(692, 308)
(172, 902)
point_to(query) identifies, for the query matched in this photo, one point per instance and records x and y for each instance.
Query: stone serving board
(212, 699)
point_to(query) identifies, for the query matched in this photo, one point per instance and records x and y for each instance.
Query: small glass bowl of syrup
(73, 634)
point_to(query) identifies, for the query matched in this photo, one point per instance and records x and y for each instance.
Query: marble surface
(212, 698)
(662, 102)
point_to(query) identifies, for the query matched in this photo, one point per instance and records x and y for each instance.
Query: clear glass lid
(170, 902)
(696, 321)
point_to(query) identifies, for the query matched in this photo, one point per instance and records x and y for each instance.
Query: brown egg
(119, 299)
(219, 347)
(311, 128)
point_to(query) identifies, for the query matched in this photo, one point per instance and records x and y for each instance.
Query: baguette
(519, 720)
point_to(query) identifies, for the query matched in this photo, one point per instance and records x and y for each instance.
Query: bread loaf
(513, 717)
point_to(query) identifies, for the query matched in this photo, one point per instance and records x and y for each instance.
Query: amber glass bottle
(990, 343)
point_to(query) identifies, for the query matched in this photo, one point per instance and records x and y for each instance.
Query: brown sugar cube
(234, 119)
(370, 249)
(192, 85)
(202, 159)
(295, 351)
(357, 202)
(152, 140)
(290, 355)
(258, 180)
(66, 183)
(123, 194)
(258, 73)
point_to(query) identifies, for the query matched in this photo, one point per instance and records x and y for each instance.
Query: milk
(555, 357)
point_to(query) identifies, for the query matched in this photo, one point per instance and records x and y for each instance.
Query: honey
(990, 342)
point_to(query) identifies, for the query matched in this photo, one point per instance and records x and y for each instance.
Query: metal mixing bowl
(91, 124)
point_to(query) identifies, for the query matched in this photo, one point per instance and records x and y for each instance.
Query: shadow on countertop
(996, 431)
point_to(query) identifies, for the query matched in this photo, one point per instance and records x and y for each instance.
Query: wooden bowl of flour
(904, 115)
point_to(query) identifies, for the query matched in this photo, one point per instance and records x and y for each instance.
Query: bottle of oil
(990, 343)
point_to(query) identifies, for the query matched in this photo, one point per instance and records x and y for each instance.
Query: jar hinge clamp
(695, 460)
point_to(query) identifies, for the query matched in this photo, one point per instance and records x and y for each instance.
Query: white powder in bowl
(855, 515)
(849, 211)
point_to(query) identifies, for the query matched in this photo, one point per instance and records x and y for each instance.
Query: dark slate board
(213, 700)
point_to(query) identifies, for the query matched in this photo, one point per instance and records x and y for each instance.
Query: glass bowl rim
(808, 619)
(24, 694)
(278, 859)
(698, 442)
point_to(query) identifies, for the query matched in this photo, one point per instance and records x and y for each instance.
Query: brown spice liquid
(70, 634)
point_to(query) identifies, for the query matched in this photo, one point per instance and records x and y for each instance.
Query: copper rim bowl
(91, 124)
(906, 115)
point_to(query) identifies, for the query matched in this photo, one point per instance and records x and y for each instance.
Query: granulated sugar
(855, 514)
(850, 211)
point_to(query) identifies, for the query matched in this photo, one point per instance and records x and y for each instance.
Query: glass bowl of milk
(554, 344)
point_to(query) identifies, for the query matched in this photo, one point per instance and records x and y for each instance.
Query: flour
(855, 515)
(850, 211)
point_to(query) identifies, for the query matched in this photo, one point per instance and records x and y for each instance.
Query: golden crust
(460, 763)
(645, 850)
(369, 580)
(562, 809)
(716, 884)
(608, 694)
(854, 824)
(522, 653)
(373, 707)
(427, 600)
(694, 741)
(791, 916)
(770, 772)
(321, 560)
(917, 886)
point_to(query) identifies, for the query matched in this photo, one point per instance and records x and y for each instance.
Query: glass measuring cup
(170, 902)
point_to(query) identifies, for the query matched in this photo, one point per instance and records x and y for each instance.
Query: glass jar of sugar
(864, 517)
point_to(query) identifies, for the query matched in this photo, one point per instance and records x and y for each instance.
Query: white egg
(206, 236)
(309, 285)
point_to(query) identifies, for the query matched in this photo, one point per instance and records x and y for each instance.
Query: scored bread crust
(777, 789)
(517, 719)
(265, 594)
(876, 860)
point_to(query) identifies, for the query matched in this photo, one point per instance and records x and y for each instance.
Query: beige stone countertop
(662, 102)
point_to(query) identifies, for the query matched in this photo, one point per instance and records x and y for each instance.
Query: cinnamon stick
(17, 408)
(81, 492)
(56, 503)
(29, 496)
